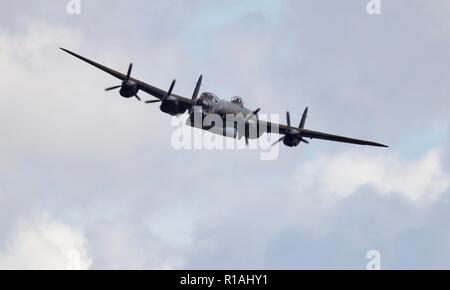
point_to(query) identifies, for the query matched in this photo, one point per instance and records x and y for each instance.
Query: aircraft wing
(324, 136)
(149, 89)
(304, 133)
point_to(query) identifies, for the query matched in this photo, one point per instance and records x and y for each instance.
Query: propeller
(126, 82)
(248, 117)
(113, 88)
(290, 131)
(195, 101)
(165, 96)
(303, 121)
(197, 89)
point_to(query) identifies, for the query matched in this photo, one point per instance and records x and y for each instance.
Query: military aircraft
(209, 103)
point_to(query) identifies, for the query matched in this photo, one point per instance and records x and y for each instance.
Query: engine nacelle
(292, 140)
(172, 107)
(129, 89)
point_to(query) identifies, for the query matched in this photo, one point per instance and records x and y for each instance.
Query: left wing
(270, 127)
(149, 89)
(324, 136)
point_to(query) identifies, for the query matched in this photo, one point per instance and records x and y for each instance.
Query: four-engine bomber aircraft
(210, 104)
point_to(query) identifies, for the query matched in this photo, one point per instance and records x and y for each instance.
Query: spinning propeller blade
(113, 88)
(197, 89)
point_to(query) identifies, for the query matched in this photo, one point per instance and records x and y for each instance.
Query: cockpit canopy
(237, 100)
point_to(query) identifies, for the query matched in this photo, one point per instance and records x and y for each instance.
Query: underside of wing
(270, 127)
(149, 89)
(324, 136)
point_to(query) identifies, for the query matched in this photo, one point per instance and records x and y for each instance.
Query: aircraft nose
(203, 103)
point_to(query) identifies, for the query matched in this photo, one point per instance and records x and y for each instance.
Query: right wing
(325, 136)
(270, 127)
(149, 89)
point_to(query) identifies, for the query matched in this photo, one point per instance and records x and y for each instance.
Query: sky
(89, 180)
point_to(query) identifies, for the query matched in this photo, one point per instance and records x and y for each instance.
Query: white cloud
(45, 243)
(341, 175)
(81, 150)
(53, 103)
(128, 244)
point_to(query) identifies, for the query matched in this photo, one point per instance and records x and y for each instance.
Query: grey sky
(85, 170)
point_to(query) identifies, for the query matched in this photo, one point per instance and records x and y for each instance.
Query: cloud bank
(88, 179)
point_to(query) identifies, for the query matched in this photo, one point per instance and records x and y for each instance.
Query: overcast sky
(90, 180)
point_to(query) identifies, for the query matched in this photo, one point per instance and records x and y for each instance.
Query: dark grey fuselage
(210, 104)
